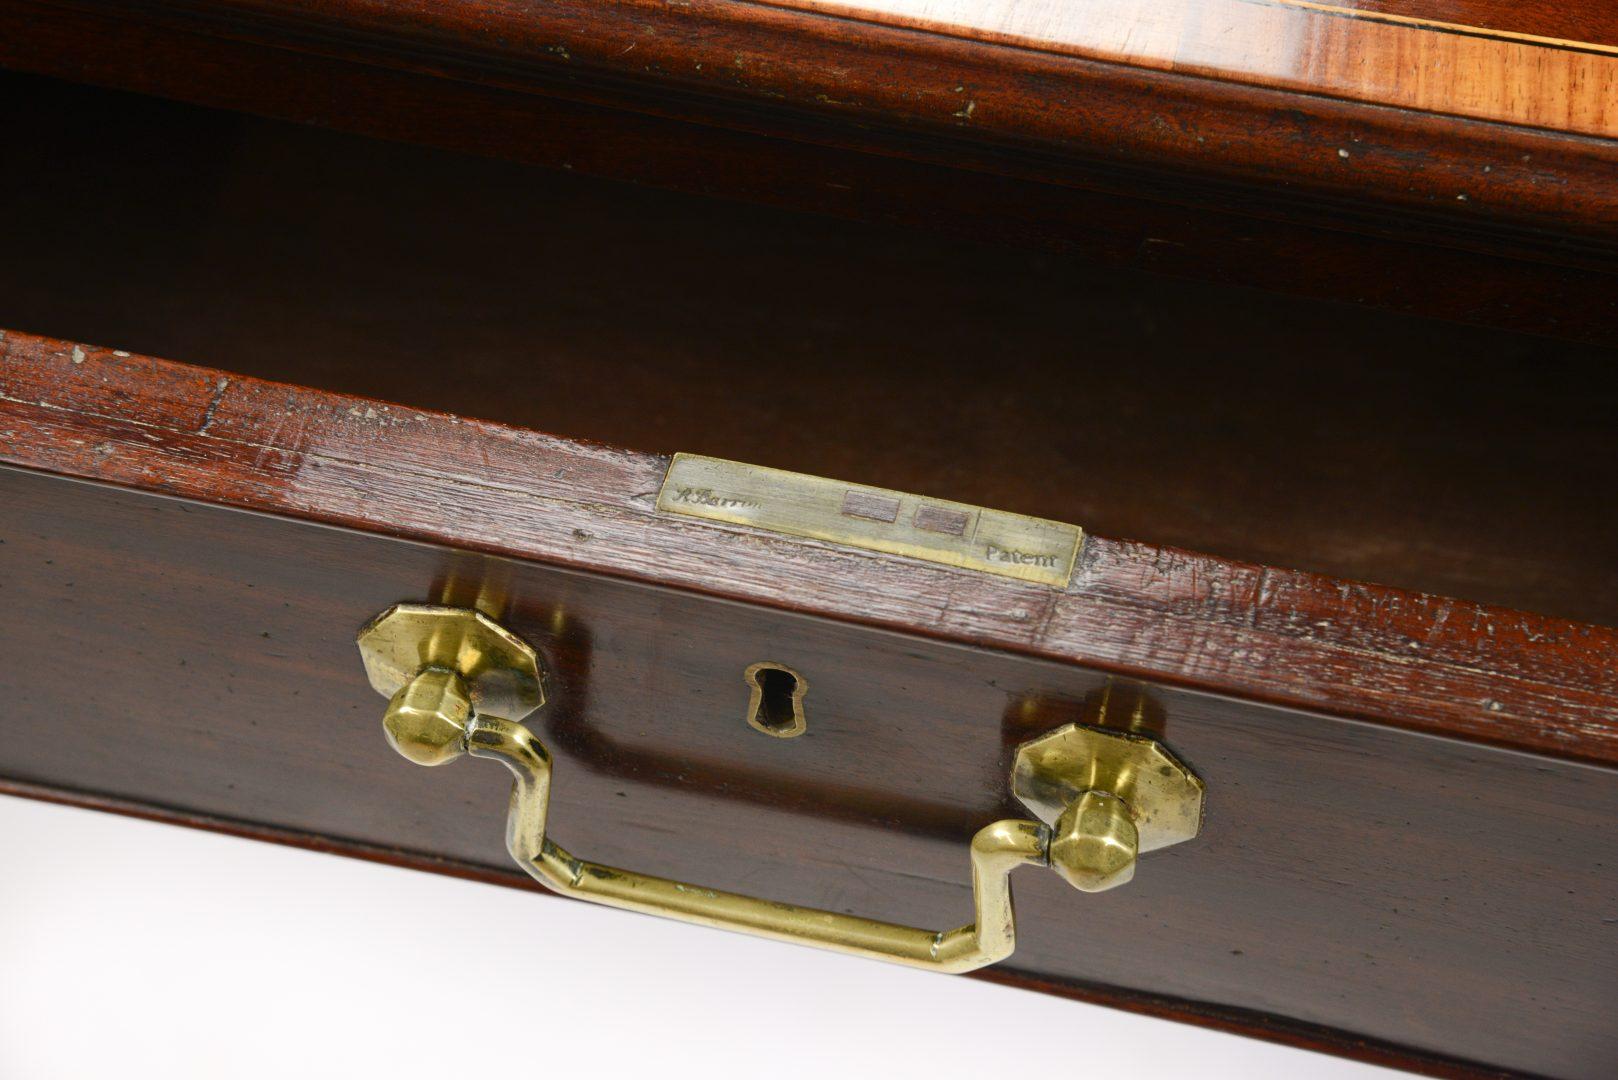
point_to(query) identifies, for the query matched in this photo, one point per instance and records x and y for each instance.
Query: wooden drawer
(1410, 851)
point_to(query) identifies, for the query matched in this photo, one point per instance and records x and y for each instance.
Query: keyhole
(775, 706)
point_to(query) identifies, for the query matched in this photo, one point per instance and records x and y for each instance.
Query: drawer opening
(1366, 444)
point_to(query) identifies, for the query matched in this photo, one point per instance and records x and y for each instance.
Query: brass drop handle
(457, 682)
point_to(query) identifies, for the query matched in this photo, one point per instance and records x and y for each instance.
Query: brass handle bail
(457, 683)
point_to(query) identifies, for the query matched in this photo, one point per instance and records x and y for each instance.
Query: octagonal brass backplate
(1164, 795)
(502, 671)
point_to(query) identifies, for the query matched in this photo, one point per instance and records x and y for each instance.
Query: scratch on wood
(1440, 619)
(1261, 596)
(213, 404)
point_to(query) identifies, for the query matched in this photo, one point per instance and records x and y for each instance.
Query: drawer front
(1408, 847)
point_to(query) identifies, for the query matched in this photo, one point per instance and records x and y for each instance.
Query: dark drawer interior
(1365, 444)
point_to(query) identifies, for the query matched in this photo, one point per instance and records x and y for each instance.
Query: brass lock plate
(951, 533)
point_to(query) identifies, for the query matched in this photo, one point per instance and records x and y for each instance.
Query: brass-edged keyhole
(775, 705)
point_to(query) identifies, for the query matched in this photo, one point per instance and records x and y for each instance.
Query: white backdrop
(134, 950)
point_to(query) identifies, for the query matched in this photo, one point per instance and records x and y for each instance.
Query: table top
(1471, 117)
(1545, 65)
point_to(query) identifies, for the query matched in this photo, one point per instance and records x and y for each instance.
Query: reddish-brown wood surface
(890, 75)
(1419, 897)
(197, 665)
(1413, 661)
(1308, 435)
(1428, 902)
(1404, 55)
(1182, 173)
(1591, 23)
(1409, 853)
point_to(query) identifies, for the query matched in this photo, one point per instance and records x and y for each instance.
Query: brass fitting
(1109, 796)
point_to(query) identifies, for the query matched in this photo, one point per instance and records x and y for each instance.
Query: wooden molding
(1402, 659)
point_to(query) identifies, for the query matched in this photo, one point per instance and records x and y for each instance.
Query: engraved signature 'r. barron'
(706, 497)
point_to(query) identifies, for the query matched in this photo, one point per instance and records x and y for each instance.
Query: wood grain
(1589, 23)
(1468, 165)
(1187, 227)
(1432, 898)
(1463, 65)
(1419, 896)
(1409, 853)
(1412, 661)
(1310, 436)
